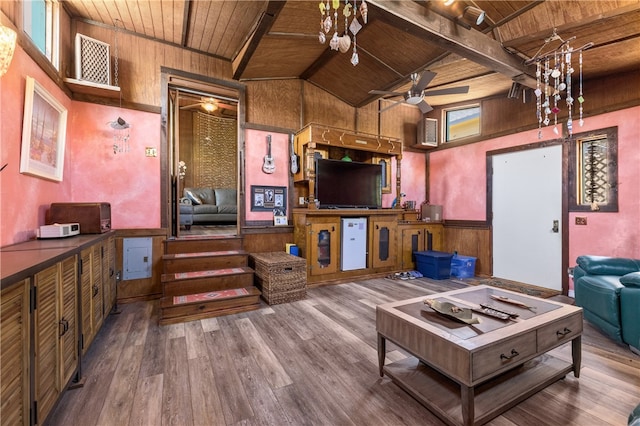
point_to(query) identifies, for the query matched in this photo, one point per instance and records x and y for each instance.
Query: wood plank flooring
(311, 362)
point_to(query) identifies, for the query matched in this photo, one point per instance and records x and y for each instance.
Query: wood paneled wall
(470, 239)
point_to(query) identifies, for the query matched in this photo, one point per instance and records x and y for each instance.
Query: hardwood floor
(311, 362)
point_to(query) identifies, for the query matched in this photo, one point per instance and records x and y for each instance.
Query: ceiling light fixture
(7, 47)
(554, 76)
(448, 2)
(209, 105)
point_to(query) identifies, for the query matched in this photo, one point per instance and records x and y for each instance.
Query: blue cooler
(463, 266)
(434, 264)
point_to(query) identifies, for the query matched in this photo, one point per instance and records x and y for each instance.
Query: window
(41, 24)
(593, 171)
(461, 122)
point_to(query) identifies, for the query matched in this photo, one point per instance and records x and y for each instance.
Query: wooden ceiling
(279, 40)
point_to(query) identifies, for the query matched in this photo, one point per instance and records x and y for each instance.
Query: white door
(527, 213)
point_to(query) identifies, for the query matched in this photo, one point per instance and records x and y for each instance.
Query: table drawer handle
(513, 354)
(563, 332)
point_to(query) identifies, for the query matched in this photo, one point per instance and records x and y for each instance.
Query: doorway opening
(202, 122)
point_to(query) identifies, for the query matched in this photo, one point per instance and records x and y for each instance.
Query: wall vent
(93, 61)
(428, 132)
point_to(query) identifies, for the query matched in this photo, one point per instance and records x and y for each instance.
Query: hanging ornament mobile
(327, 23)
(553, 81)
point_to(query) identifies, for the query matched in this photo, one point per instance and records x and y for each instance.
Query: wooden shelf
(91, 88)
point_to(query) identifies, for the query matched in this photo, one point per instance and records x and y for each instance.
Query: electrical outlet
(581, 220)
(151, 152)
(300, 201)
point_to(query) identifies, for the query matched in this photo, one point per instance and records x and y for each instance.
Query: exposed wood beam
(264, 25)
(471, 44)
(186, 20)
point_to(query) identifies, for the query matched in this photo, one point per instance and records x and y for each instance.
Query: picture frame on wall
(43, 133)
(268, 199)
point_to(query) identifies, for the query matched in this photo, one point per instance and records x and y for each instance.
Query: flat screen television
(348, 184)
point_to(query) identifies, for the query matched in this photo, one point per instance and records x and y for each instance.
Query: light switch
(151, 151)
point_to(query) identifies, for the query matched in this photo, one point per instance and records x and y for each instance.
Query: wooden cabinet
(41, 315)
(317, 234)
(383, 248)
(109, 274)
(15, 328)
(418, 236)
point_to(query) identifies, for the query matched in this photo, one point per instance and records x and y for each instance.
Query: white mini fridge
(353, 247)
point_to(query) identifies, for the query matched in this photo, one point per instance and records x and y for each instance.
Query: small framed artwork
(43, 133)
(269, 199)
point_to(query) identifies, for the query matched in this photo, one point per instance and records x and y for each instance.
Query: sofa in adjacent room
(608, 290)
(212, 205)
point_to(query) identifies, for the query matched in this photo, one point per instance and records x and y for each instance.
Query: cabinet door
(323, 246)
(68, 322)
(15, 322)
(383, 243)
(433, 239)
(86, 299)
(97, 287)
(412, 240)
(46, 328)
(108, 274)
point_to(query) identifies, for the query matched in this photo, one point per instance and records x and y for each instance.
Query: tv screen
(348, 184)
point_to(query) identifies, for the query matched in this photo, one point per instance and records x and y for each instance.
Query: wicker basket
(284, 296)
(280, 276)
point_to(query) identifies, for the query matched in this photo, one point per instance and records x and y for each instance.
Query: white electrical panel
(137, 258)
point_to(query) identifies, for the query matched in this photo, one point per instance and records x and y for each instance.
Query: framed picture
(43, 133)
(269, 199)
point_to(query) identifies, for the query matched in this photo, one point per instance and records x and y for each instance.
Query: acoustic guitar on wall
(269, 165)
(295, 160)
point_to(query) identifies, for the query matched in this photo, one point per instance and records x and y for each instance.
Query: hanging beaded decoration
(327, 24)
(557, 80)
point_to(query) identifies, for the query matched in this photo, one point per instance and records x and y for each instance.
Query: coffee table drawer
(559, 332)
(504, 354)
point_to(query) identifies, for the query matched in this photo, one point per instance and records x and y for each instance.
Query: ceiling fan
(211, 104)
(416, 95)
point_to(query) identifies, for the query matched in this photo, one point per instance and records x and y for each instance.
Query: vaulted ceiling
(280, 40)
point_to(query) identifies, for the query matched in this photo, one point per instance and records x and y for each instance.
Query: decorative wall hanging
(269, 198)
(554, 75)
(344, 42)
(7, 47)
(43, 133)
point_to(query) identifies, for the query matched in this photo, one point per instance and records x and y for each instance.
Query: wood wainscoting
(470, 238)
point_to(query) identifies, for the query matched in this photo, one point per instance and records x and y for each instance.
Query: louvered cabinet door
(47, 378)
(86, 299)
(14, 353)
(97, 287)
(108, 274)
(68, 324)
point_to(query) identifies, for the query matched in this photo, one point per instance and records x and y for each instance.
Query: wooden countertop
(21, 260)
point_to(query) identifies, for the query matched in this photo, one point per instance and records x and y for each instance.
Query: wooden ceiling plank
(471, 44)
(146, 17)
(186, 21)
(607, 19)
(264, 25)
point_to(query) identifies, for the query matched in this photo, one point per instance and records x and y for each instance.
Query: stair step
(195, 309)
(199, 261)
(199, 243)
(192, 282)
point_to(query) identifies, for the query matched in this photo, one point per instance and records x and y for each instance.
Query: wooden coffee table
(469, 374)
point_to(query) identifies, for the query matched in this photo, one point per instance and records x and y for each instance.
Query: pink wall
(413, 175)
(255, 151)
(130, 182)
(458, 182)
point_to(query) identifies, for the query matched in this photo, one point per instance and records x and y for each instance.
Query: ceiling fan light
(448, 2)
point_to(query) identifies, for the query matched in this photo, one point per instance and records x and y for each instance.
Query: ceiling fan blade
(191, 106)
(450, 91)
(425, 79)
(390, 106)
(425, 107)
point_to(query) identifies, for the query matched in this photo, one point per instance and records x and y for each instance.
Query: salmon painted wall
(458, 182)
(255, 151)
(130, 182)
(413, 175)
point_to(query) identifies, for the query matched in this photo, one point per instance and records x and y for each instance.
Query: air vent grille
(92, 60)
(428, 132)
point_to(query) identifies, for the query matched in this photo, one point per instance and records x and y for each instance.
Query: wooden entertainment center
(392, 234)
